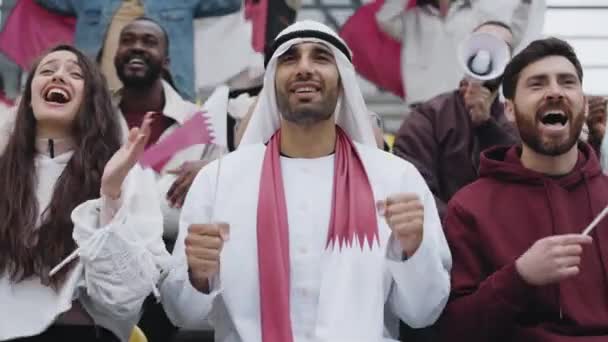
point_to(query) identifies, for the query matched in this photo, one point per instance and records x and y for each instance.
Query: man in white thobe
(308, 232)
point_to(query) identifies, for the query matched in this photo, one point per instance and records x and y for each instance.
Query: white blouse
(120, 261)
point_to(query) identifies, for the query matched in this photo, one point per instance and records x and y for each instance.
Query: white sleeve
(122, 259)
(421, 284)
(515, 13)
(520, 22)
(164, 181)
(484, 10)
(185, 306)
(390, 18)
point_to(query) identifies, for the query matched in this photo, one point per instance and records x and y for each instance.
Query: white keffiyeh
(351, 112)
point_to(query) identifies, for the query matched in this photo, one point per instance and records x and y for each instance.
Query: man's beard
(531, 136)
(308, 114)
(152, 73)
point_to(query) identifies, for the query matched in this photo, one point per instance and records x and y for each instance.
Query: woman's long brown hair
(27, 250)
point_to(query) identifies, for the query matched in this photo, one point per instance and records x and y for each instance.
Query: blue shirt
(175, 16)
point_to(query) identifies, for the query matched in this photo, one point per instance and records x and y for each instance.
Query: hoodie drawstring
(51, 147)
(598, 241)
(546, 186)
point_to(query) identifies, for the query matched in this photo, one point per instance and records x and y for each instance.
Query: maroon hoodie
(493, 221)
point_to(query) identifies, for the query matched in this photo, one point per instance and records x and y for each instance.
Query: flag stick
(597, 220)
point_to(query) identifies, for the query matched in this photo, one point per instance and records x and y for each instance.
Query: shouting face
(57, 90)
(549, 106)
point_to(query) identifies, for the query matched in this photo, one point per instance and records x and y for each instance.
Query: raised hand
(478, 101)
(125, 158)
(596, 118)
(444, 8)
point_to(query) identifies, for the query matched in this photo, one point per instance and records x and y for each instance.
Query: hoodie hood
(504, 163)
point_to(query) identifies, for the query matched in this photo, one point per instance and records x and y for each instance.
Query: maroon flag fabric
(376, 55)
(257, 12)
(194, 131)
(31, 29)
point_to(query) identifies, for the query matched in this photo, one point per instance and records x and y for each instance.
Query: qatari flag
(368, 42)
(206, 126)
(268, 18)
(194, 131)
(257, 12)
(30, 30)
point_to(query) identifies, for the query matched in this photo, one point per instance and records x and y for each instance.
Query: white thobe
(336, 294)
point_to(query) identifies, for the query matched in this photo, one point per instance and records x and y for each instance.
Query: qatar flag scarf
(352, 222)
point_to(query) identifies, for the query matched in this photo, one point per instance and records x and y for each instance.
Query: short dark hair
(494, 23)
(536, 51)
(165, 34)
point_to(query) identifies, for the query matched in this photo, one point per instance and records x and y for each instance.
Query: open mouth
(57, 95)
(554, 118)
(136, 61)
(305, 90)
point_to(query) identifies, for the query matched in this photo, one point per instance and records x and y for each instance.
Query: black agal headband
(306, 34)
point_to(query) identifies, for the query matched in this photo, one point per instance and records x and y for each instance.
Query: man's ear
(510, 110)
(586, 99)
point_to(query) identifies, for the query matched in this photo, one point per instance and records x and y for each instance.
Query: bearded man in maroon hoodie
(522, 271)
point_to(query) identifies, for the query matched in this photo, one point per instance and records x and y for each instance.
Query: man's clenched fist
(404, 214)
(203, 246)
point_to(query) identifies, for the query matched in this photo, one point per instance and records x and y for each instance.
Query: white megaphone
(483, 56)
